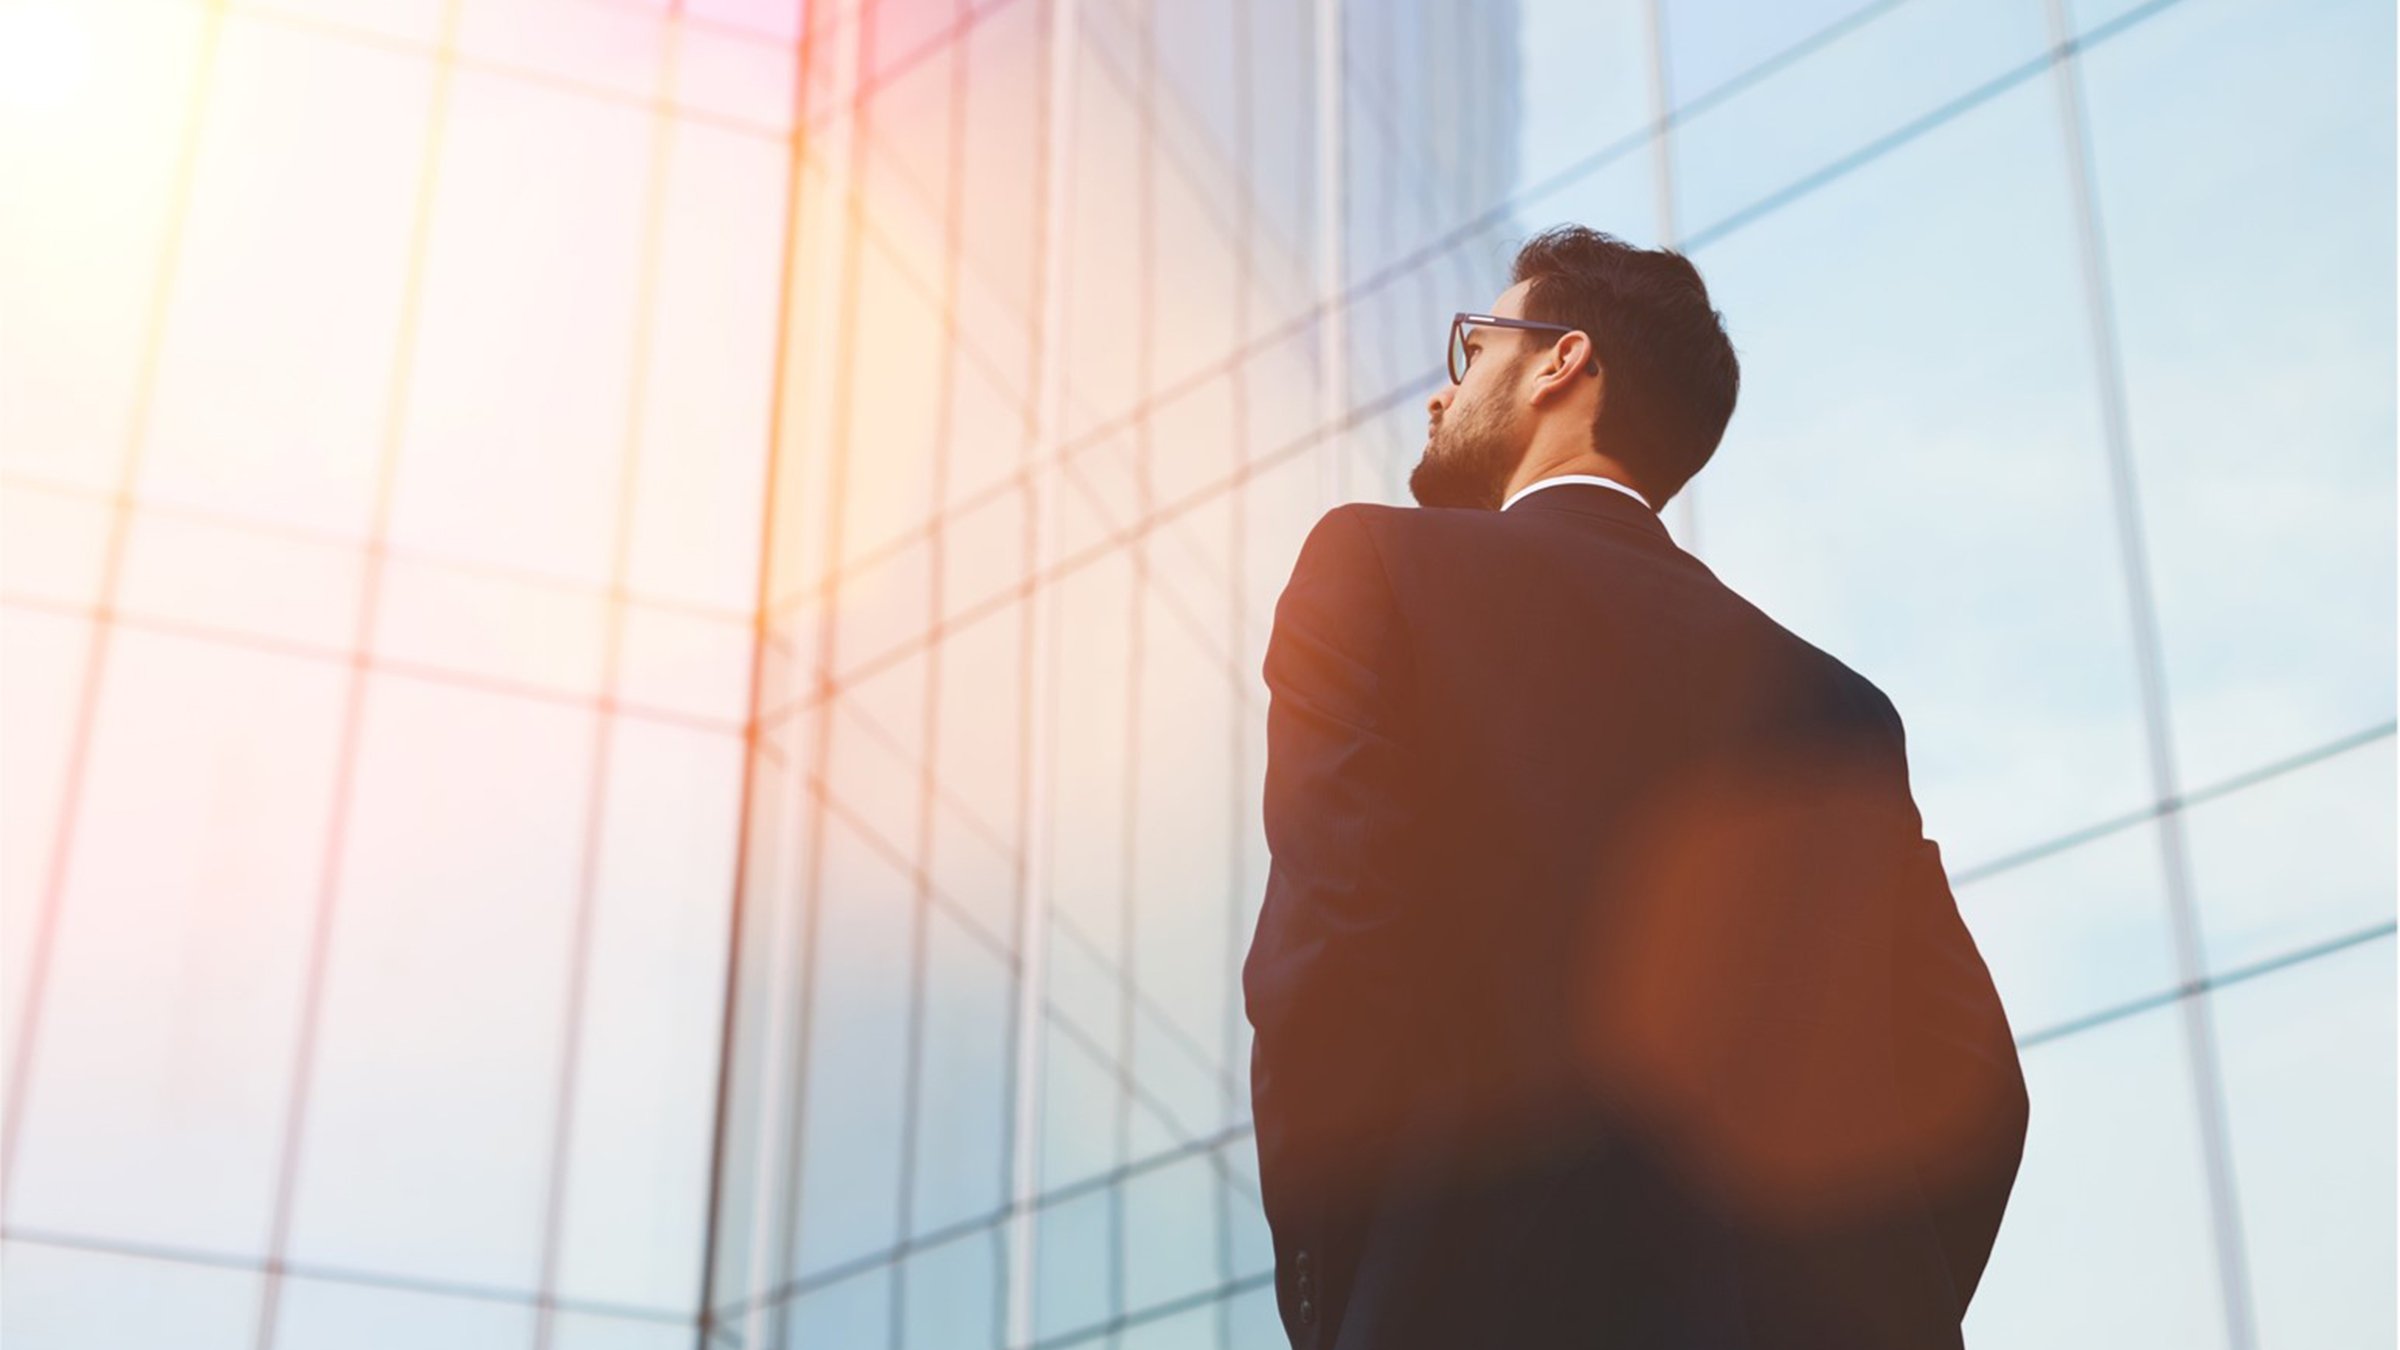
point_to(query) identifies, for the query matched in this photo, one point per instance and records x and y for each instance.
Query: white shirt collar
(1555, 479)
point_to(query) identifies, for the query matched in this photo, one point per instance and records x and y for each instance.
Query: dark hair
(1671, 373)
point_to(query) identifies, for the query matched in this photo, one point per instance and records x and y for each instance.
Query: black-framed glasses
(1461, 358)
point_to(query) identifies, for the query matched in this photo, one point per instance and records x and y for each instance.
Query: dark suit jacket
(1605, 990)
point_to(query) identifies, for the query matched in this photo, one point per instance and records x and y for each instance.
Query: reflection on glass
(160, 1080)
(953, 1293)
(2300, 858)
(1868, 81)
(1586, 79)
(2309, 1090)
(85, 1300)
(857, 1057)
(1170, 1217)
(323, 1315)
(433, 1092)
(1074, 1239)
(2073, 933)
(2107, 1239)
(2244, 161)
(1711, 42)
(962, 1103)
(532, 343)
(1916, 481)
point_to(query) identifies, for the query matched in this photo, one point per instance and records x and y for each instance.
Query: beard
(1468, 459)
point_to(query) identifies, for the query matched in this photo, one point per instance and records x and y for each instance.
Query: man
(1606, 992)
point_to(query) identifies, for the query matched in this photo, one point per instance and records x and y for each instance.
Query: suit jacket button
(1301, 1261)
(1308, 1310)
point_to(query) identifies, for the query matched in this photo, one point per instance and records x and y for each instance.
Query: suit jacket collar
(1591, 499)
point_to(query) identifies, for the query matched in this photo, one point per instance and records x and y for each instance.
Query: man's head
(1530, 404)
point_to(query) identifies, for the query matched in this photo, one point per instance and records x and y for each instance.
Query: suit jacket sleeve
(1957, 1062)
(1325, 983)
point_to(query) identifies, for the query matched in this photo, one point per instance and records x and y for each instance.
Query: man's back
(1606, 990)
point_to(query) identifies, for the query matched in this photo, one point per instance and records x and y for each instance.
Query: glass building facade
(632, 629)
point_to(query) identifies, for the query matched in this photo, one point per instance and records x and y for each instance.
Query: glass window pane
(60, 1298)
(1080, 1094)
(1254, 1320)
(853, 1311)
(907, 165)
(1283, 165)
(646, 1070)
(270, 583)
(883, 609)
(706, 393)
(766, 20)
(430, 1119)
(1430, 128)
(155, 1111)
(994, 394)
(506, 628)
(1100, 497)
(857, 1056)
(322, 1315)
(1189, 1329)
(419, 21)
(53, 543)
(2073, 933)
(1072, 1240)
(1709, 42)
(275, 379)
(2092, 14)
(2244, 151)
(1584, 82)
(1104, 314)
(1181, 891)
(733, 74)
(1171, 1231)
(761, 1090)
(510, 459)
(2106, 1242)
(1198, 67)
(1005, 93)
(963, 1107)
(2309, 1083)
(613, 47)
(985, 555)
(1192, 449)
(2301, 858)
(908, 36)
(1194, 265)
(1094, 672)
(1902, 64)
(1252, 1242)
(876, 765)
(955, 1294)
(1086, 995)
(1618, 196)
(591, 1331)
(1915, 480)
(889, 469)
(46, 656)
(973, 854)
(79, 320)
(1189, 1089)
(678, 661)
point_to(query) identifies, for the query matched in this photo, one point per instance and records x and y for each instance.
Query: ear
(1569, 360)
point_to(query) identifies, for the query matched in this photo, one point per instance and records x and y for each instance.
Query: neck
(1539, 465)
